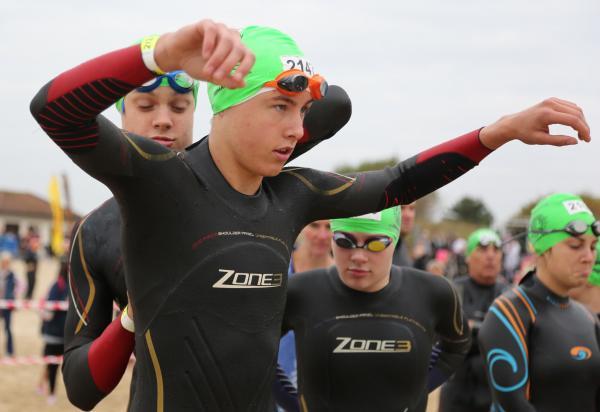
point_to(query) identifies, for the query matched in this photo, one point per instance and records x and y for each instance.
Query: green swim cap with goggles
(482, 237)
(556, 218)
(279, 65)
(178, 80)
(387, 222)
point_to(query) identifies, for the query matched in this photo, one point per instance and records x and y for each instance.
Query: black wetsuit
(205, 264)
(467, 389)
(97, 276)
(362, 351)
(96, 279)
(542, 351)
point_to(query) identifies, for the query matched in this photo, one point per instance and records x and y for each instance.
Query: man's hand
(207, 51)
(532, 126)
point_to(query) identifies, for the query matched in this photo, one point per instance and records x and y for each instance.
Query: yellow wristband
(147, 46)
(127, 322)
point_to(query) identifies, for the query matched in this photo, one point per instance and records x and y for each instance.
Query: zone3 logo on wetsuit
(235, 280)
(354, 348)
(349, 345)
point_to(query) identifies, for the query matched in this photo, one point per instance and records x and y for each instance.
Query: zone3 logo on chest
(350, 345)
(239, 280)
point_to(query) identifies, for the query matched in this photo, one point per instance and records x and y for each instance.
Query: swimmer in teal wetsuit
(542, 348)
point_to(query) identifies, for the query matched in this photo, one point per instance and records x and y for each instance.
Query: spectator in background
(401, 255)
(436, 267)
(9, 243)
(456, 265)
(53, 330)
(467, 390)
(512, 258)
(313, 248)
(526, 265)
(31, 246)
(7, 291)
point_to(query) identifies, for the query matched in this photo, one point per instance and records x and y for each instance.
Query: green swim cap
(555, 212)
(594, 278)
(387, 222)
(482, 237)
(275, 53)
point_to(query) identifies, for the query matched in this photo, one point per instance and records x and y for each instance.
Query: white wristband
(147, 46)
(127, 322)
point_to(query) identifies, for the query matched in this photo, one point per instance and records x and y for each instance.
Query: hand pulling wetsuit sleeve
(68, 109)
(284, 391)
(89, 375)
(454, 338)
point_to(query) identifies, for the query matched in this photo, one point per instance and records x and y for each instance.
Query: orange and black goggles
(292, 82)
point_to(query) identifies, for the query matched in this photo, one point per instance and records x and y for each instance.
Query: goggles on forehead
(372, 244)
(178, 80)
(485, 241)
(293, 82)
(574, 228)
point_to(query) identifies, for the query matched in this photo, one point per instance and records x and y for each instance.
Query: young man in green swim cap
(246, 151)
(161, 110)
(365, 328)
(205, 264)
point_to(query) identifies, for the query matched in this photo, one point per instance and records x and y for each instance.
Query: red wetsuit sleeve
(434, 168)
(124, 65)
(68, 107)
(468, 145)
(109, 355)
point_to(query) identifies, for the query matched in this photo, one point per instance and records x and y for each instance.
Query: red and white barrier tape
(31, 360)
(33, 304)
(37, 360)
(40, 304)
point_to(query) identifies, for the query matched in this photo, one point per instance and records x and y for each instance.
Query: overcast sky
(417, 72)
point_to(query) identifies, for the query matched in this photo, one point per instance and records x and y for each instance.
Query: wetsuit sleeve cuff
(109, 355)
(126, 321)
(468, 145)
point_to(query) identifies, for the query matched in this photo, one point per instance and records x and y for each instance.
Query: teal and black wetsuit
(541, 351)
(205, 264)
